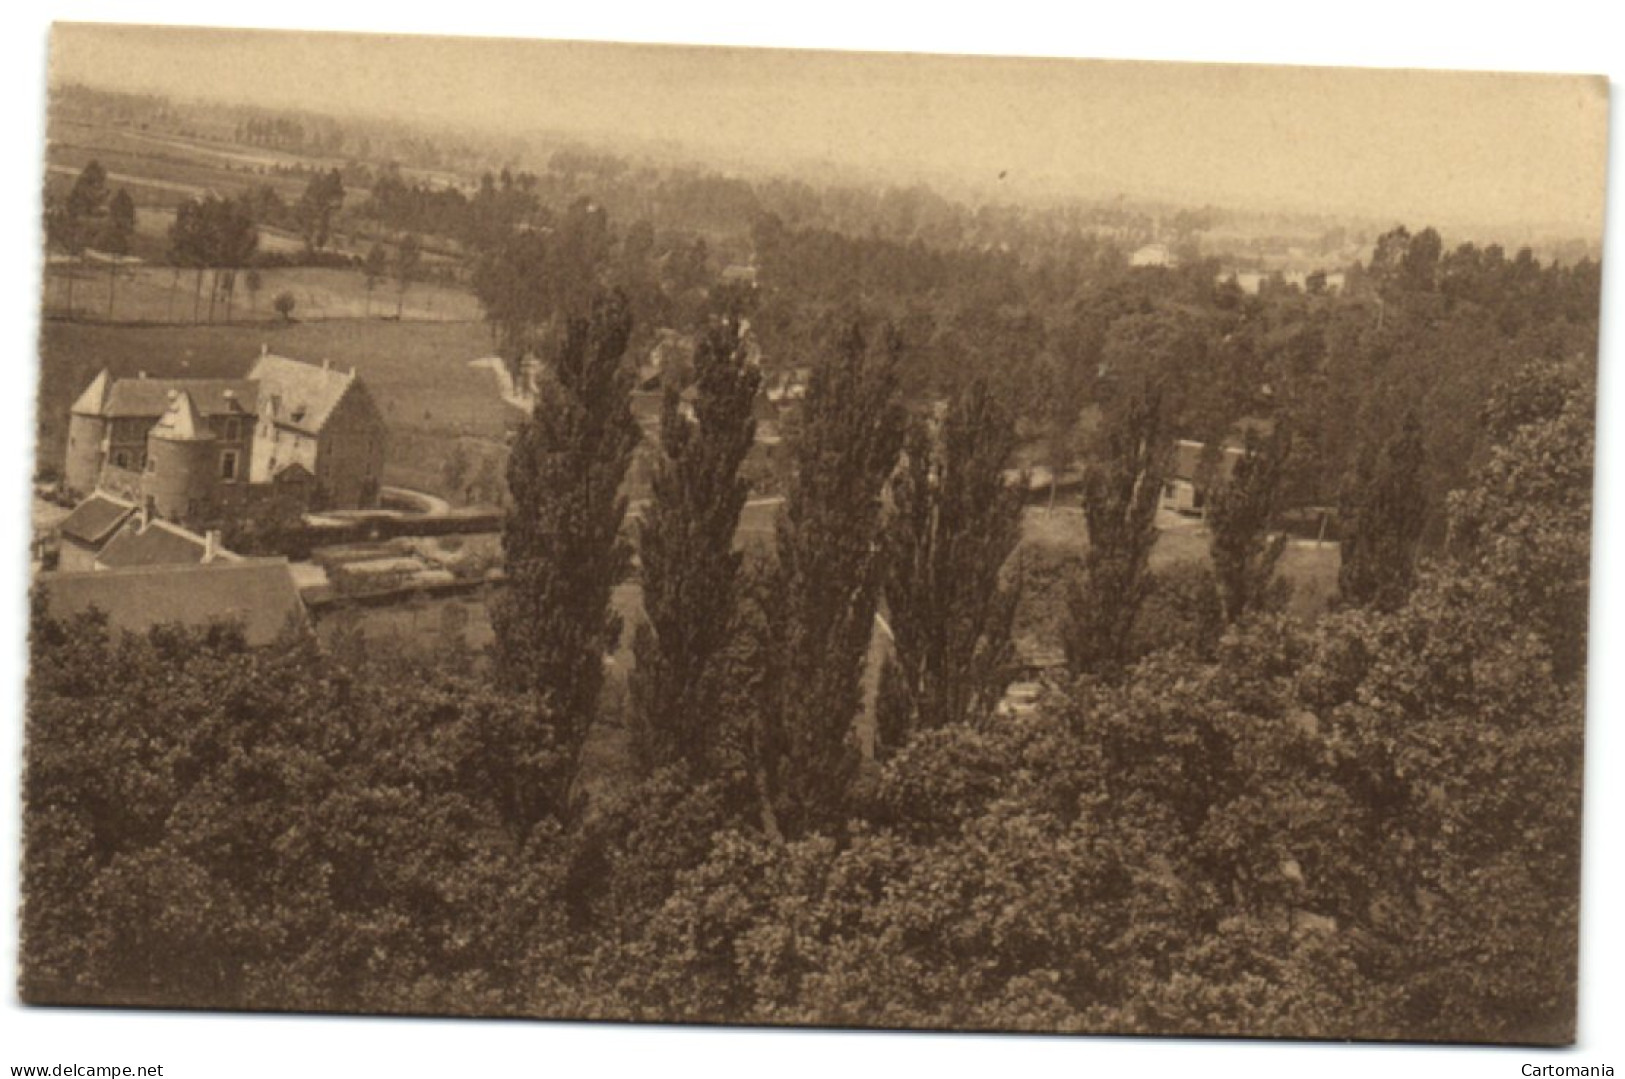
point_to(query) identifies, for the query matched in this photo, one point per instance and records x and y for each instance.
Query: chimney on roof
(211, 545)
(140, 374)
(327, 365)
(148, 508)
(265, 348)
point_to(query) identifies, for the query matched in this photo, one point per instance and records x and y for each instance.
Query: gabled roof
(305, 394)
(158, 544)
(181, 421)
(141, 397)
(259, 593)
(96, 518)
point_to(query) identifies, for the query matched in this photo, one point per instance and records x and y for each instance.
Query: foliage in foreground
(1365, 828)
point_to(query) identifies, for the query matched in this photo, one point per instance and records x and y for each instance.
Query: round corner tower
(179, 483)
(87, 437)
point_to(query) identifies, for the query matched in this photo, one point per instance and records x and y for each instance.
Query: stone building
(203, 452)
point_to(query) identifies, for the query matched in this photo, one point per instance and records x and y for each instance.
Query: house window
(233, 430)
(228, 465)
(152, 464)
(121, 459)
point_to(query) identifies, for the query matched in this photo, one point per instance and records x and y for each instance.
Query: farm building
(92, 524)
(256, 593)
(323, 420)
(105, 532)
(203, 451)
(1193, 471)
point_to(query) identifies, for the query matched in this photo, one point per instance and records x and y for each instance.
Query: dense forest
(1219, 819)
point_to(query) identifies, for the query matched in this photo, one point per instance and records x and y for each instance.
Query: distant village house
(1193, 472)
(1153, 255)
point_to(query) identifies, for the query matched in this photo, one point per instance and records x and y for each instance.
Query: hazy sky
(1406, 145)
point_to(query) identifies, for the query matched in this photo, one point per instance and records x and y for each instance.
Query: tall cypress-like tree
(1244, 550)
(689, 565)
(87, 199)
(323, 196)
(956, 520)
(562, 541)
(514, 283)
(115, 237)
(826, 580)
(1121, 489)
(1384, 509)
(229, 239)
(408, 263)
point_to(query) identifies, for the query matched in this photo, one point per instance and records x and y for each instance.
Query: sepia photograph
(801, 538)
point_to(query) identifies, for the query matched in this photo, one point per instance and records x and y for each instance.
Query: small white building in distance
(1153, 255)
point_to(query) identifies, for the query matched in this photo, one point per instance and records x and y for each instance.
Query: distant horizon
(1463, 151)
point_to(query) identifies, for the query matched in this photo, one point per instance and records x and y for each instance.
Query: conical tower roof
(93, 402)
(182, 422)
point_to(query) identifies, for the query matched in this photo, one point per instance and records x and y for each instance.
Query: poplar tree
(1244, 549)
(323, 196)
(826, 580)
(1121, 489)
(689, 565)
(956, 519)
(562, 541)
(115, 237)
(1383, 511)
(373, 270)
(408, 262)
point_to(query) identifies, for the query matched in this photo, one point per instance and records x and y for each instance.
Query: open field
(165, 294)
(1061, 530)
(162, 170)
(153, 150)
(1311, 569)
(165, 181)
(167, 169)
(418, 372)
(152, 225)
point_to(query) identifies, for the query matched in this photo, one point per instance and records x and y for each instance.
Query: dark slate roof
(142, 397)
(95, 519)
(158, 544)
(259, 593)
